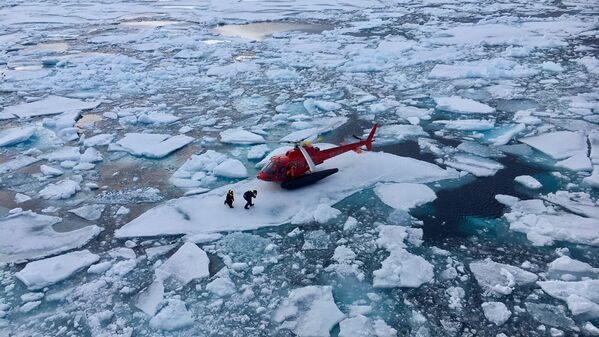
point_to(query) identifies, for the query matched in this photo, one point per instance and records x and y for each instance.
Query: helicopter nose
(263, 176)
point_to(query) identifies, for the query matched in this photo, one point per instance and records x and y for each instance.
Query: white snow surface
(462, 105)
(173, 316)
(27, 235)
(63, 189)
(309, 311)
(205, 213)
(405, 195)
(42, 273)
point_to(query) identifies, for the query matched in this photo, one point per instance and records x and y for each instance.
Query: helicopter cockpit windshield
(269, 168)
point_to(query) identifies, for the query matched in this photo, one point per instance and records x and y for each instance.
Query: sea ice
(479, 166)
(89, 212)
(401, 268)
(51, 105)
(582, 297)
(151, 145)
(529, 182)
(543, 224)
(240, 136)
(230, 168)
(173, 316)
(578, 162)
(500, 279)
(387, 134)
(496, 312)
(149, 300)
(42, 273)
(26, 236)
(462, 105)
(362, 326)
(205, 213)
(467, 124)
(558, 144)
(16, 135)
(405, 195)
(309, 311)
(188, 263)
(63, 189)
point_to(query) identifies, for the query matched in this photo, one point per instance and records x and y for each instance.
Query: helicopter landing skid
(307, 179)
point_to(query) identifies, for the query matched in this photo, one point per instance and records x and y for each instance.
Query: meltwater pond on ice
(274, 206)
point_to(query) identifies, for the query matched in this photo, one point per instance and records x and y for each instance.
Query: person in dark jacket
(248, 195)
(229, 198)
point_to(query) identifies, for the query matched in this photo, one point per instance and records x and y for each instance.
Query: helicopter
(297, 168)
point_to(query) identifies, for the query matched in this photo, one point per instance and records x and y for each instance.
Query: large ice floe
(26, 236)
(274, 206)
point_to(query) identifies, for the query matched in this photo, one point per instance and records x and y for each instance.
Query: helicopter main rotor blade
(309, 160)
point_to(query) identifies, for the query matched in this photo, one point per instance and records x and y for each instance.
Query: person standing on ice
(229, 198)
(248, 195)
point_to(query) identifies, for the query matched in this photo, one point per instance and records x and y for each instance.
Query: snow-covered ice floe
(27, 235)
(308, 311)
(151, 145)
(543, 224)
(498, 279)
(205, 213)
(42, 273)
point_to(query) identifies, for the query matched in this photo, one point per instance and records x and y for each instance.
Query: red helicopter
(297, 168)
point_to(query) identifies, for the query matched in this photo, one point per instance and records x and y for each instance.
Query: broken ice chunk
(462, 105)
(151, 145)
(240, 136)
(42, 273)
(149, 299)
(173, 316)
(231, 168)
(63, 189)
(558, 144)
(27, 235)
(405, 195)
(16, 135)
(309, 311)
(496, 312)
(50, 105)
(529, 182)
(188, 263)
(500, 279)
(89, 212)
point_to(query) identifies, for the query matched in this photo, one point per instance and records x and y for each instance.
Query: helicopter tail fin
(368, 141)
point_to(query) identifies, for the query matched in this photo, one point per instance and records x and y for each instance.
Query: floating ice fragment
(309, 311)
(528, 182)
(63, 189)
(500, 279)
(50, 105)
(240, 136)
(27, 235)
(479, 166)
(149, 299)
(405, 195)
(578, 162)
(16, 135)
(231, 168)
(151, 145)
(89, 212)
(42, 273)
(188, 263)
(462, 105)
(496, 312)
(558, 144)
(468, 124)
(221, 287)
(173, 316)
